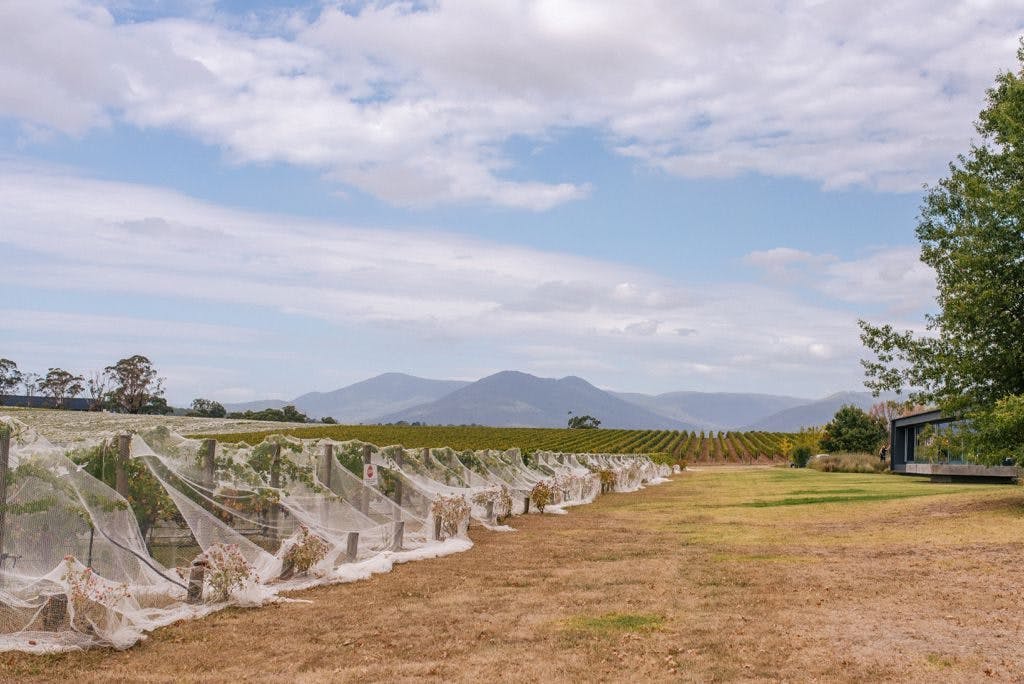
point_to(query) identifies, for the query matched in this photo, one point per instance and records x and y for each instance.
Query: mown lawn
(729, 573)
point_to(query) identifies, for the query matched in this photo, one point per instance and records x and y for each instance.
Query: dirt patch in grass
(863, 591)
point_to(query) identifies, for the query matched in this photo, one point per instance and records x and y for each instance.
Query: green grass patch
(824, 490)
(615, 622)
(813, 500)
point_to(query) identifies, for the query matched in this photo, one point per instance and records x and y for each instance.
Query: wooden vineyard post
(437, 527)
(275, 482)
(209, 462)
(352, 547)
(364, 501)
(196, 577)
(398, 534)
(398, 480)
(5, 456)
(526, 505)
(490, 512)
(326, 463)
(124, 450)
(275, 466)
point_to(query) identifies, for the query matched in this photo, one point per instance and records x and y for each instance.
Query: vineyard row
(694, 447)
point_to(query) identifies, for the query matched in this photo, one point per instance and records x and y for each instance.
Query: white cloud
(893, 277)
(784, 263)
(890, 279)
(414, 105)
(453, 302)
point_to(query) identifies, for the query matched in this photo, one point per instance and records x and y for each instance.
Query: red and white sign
(370, 474)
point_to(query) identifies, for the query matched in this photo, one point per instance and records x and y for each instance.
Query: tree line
(131, 385)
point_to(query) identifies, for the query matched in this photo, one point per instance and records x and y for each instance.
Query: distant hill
(258, 405)
(511, 399)
(515, 399)
(363, 400)
(714, 410)
(368, 399)
(814, 413)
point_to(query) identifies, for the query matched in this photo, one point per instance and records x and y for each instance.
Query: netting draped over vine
(199, 525)
(74, 568)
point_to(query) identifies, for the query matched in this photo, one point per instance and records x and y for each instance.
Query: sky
(267, 198)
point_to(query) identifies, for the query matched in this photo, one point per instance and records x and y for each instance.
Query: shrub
(451, 510)
(541, 495)
(801, 455)
(848, 463)
(91, 597)
(227, 570)
(305, 550)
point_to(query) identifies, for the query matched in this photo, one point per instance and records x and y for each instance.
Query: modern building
(926, 444)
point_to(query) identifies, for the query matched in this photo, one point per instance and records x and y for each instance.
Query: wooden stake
(326, 464)
(437, 528)
(364, 501)
(352, 547)
(5, 456)
(275, 466)
(399, 533)
(398, 479)
(209, 462)
(124, 451)
(196, 577)
(275, 482)
(526, 505)
(490, 512)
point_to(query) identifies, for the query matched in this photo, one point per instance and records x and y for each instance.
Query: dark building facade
(928, 444)
(21, 401)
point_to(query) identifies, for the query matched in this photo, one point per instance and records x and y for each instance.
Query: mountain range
(515, 399)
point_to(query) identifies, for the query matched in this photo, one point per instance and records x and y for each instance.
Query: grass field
(724, 573)
(695, 447)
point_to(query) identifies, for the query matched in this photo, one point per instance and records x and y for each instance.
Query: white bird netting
(199, 525)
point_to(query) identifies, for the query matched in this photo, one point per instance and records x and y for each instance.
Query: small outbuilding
(926, 444)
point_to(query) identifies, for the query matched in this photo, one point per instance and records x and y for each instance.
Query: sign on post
(369, 475)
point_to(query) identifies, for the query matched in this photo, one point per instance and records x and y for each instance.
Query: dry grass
(686, 581)
(848, 463)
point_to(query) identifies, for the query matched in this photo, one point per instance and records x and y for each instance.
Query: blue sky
(272, 201)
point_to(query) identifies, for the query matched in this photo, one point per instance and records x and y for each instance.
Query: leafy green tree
(10, 376)
(852, 429)
(156, 406)
(997, 432)
(288, 414)
(583, 423)
(801, 455)
(207, 408)
(292, 415)
(971, 229)
(135, 384)
(58, 384)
